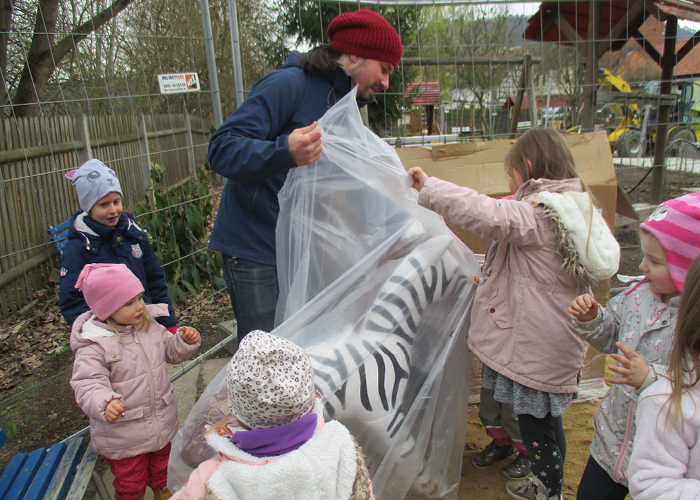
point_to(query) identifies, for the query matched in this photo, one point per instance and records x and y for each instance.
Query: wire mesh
(471, 71)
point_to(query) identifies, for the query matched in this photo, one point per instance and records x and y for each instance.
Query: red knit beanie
(365, 33)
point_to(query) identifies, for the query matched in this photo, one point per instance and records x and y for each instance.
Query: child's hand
(419, 177)
(190, 335)
(114, 410)
(584, 308)
(633, 371)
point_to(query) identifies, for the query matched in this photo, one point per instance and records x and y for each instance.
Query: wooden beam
(591, 83)
(571, 34)
(518, 104)
(605, 95)
(648, 47)
(667, 65)
(449, 61)
(637, 9)
(687, 47)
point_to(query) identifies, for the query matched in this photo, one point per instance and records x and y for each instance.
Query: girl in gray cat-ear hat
(101, 232)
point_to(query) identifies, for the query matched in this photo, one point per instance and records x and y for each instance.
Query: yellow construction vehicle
(631, 122)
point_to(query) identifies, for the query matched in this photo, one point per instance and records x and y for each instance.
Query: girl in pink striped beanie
(637, 329)
(676, 225)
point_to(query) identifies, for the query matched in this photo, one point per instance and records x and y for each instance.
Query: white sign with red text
(178, 82)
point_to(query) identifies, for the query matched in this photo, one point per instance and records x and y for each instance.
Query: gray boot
(518, 468)
(493, 453)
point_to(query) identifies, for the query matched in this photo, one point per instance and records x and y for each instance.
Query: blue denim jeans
(254, 291)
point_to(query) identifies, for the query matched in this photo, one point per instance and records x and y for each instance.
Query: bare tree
(45, 53)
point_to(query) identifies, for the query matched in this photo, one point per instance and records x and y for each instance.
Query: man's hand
(584, 307)
(633, 371)
(305, 145)
(419, 177)
(114, 410)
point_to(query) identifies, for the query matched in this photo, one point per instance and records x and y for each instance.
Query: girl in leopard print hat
(276, 443)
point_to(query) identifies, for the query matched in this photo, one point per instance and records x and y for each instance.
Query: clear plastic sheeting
(376, 289)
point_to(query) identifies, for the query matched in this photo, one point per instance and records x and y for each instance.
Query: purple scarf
(276, 441)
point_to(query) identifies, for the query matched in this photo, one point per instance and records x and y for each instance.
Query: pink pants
(132, 475)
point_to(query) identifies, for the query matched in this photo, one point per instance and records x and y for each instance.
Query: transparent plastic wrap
(376, 289)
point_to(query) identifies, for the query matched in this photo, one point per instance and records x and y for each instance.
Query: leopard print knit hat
(270, 381)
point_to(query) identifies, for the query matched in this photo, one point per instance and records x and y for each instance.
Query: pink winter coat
(130, 366)
(520, 326)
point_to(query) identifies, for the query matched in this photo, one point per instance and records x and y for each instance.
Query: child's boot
(493, 453)
(162, 494)
(518, 468)
(530, 489)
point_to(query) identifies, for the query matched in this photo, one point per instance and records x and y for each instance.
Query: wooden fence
(36, 153)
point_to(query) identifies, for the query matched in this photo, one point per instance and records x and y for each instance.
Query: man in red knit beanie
(273, 131)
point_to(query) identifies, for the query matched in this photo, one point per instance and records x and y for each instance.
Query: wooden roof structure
(595, 27)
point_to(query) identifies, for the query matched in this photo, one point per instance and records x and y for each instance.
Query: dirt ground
(48, 413)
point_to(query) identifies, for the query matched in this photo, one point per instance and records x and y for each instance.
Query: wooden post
(429, 117)
(82, 134)
(472, 120)
(531, 91)
(190, 147)
(591, 80)
(667, 65)
(518, 103)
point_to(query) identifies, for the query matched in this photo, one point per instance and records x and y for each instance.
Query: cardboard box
(479, 165)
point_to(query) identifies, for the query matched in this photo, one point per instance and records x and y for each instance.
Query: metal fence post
(190, 147)
(211, 63)
(236, 51)
(144, 153)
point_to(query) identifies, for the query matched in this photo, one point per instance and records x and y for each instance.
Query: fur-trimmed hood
(590, 251)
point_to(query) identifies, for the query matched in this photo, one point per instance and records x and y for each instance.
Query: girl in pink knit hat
(638, 323)
(120, 378)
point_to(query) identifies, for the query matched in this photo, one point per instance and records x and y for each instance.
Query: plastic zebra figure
(371, 380)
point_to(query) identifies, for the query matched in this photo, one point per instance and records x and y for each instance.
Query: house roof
(424, 93)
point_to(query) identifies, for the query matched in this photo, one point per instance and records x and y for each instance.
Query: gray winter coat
(639, 319)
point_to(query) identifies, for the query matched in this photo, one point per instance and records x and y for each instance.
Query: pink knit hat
(107, 287)
(676, 224)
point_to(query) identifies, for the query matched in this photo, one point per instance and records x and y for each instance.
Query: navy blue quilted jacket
(90, 242)
(250, 150)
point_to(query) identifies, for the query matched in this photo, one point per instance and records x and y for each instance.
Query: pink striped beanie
(676, 224)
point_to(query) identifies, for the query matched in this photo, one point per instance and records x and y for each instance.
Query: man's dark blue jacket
(90, 242)
(250, 150)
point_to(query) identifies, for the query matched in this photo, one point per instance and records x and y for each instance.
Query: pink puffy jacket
(130, 366)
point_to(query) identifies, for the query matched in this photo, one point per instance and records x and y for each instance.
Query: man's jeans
(254, 290)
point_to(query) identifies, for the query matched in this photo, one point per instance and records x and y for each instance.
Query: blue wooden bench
(59, 235)
(61, 472)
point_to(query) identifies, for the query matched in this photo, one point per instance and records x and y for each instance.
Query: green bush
(178, 220)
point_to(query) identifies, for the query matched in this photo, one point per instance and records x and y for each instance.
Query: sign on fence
(178, 82)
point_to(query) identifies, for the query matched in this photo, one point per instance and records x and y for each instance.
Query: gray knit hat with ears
(270, 381)
(93, 181)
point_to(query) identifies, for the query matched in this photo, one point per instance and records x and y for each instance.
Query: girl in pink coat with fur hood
(120, 378)
(547, 243)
